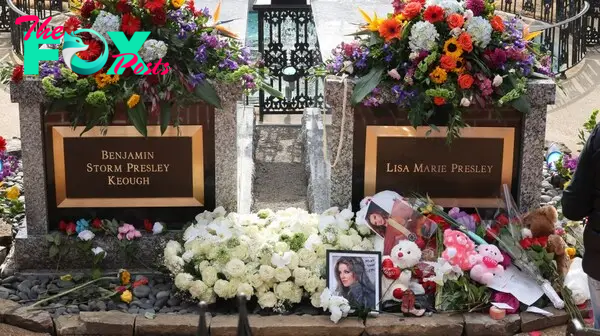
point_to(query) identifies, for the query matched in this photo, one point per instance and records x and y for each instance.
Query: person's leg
(595, 299)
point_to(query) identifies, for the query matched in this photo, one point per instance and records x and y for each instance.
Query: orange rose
(411, 10)
(447, 63)
(439, 101)
(465, 81)
(497, 23)
(455, 21)
(465, 42)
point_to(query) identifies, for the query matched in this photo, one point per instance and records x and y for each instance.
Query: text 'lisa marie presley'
(454, 168)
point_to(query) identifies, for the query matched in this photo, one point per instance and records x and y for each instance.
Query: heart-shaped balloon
(387, 263)
(489, 262)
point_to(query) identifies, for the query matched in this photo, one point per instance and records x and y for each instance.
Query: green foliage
(463, 295)
(365, 85)
(296, 242)
(588, 127)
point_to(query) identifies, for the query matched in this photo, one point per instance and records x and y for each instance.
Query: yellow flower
(13, 193)
(126, 296)
(125, 277)
(566, 185)
(100, 80)
(452, 48)
(103, 80)
(400, 17)
(66, 277)
(177, 3)
(460, 65)
(438, 75)
(133, 100)
(112, 79)
(372, 23)
(571, 252)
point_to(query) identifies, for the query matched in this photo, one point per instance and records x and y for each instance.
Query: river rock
(141, 291)
(162, 294)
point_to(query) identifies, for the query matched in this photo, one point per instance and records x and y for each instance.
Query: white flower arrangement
(86, 235)
(152, 50)
(423, 37)
(279, 257)
(337, 305)
(106, 22)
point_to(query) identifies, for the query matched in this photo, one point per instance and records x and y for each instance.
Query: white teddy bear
(397, 271)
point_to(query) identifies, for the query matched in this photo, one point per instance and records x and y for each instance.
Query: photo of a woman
(354, 276)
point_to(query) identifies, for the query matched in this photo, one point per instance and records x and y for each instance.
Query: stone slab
(3, 253)
(31, 252)
(33, 320)
(5, 234)
(438, 324)
(533, 322)
(477, 324)
(6, 307)
(245, 159)
(291, 325)
(168, 325)
(110, 323)
(69, 325)
(8, 330)
(315, 163)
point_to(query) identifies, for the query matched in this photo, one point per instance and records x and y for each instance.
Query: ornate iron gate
(288, 43)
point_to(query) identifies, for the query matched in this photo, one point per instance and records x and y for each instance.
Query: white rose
(174, 263)
(312, 284)
(174, 246)
(364, 230)
(209, 296)
(266, 272)
(288, 291)
(183, 281)
(240, 252)
(235, 268)
(301, 275)
(281, 260)
(312, 242)
(197, 289)
(245, 289)
(281, 247)
(465, 102)
(157, 228)
(223, 289)
(282, 274)
(209, 275)
(267, 300)
(455, 32)
(86, 235)
(356, 239)
(97, 250)
(219, 212)
(325, 298)
(255, 280)
(307, 258)
(497, 81)
(187, 256)
(345, 242)
(315, 300)
(468, 15)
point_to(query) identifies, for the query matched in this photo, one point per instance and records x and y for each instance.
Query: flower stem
(74, 289)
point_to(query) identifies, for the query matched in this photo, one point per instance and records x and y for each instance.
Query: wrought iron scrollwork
(287, 39)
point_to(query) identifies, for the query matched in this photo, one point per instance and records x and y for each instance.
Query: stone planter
(219, 139)
(349, 127)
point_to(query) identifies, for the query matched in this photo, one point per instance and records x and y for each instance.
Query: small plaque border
(505, 133)
(59, 133)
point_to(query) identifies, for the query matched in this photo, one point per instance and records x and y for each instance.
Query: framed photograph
(356, 276)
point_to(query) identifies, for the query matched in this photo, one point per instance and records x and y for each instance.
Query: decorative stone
(3, 253)
(7, 306)
(141, 291)
(69, 325)
(34, 320)
(168, 325)
(162, 294)
(533, 322)
(158, 304)
(111, 323)
(477, 324)
(438, 324)
(8, 330)
(290, 325)
(174, 301)
(5, 233)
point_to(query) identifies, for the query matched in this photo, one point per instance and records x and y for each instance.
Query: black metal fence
(41, 8)
(288, 43)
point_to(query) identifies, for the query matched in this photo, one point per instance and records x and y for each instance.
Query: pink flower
(130, 235)
(509, 299)
(394, 74)
(120, 236)
(137, 234)
(123, 229)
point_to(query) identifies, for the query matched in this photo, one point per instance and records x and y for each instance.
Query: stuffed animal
(487, 264)
(397, 271)
(460, 250)
(577, 281)
(539, 223)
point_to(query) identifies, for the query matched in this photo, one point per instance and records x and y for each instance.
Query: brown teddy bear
(540, 223)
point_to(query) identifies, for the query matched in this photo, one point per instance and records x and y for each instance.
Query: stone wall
(530, 127)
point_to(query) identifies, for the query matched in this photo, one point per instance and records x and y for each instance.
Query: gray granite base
(340, 140)
(317, 170)
(32, 253)
(245, 158)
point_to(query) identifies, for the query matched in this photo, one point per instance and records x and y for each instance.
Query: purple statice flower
(337, 64)
(374, 99)
(9, 165)
(201, 55)
(477, 6)
(196, 79)
(545, 66)
(244, 57)
(403, 97)
(570, 162)
(228, 63)
(360, 55)
(388, 53)
(463, 219)
(205, 12)
(210, 40)
(50, 69)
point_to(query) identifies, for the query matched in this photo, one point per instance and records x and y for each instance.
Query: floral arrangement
(11, 199)
(188, 49)
(276, 257)
(441, 53)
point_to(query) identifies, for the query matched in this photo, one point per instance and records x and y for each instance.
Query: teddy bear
(397, 271)
(540, 223)
(487, 264)
(460, 249)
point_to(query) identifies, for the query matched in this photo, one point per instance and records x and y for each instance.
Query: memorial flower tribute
(187, 50)
(441, 53)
